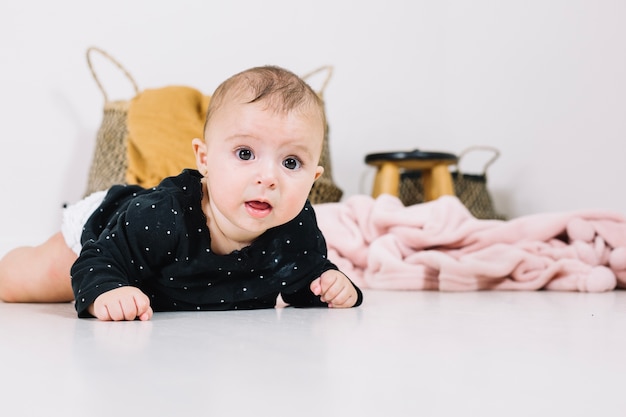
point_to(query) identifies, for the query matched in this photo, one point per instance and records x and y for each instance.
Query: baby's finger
(147, 315)
(142, 305)
(129, 309)
(114, 311)
(144, 311)
(316, 286)
(101, 312)
(335, 295)
(330, 292)
(346, 298)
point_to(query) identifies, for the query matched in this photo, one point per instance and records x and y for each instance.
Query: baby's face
(260, 165)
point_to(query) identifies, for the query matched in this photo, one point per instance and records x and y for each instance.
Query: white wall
(542, 80)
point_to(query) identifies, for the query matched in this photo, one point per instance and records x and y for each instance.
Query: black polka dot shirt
(157, 240)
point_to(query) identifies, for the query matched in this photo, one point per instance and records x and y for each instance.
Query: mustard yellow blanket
(161, 124)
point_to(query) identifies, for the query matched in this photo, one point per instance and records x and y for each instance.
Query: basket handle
(329, 74)
(495, 151)
(93, 49)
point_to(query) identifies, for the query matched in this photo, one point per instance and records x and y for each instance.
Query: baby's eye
(291, 163)
(244, 154)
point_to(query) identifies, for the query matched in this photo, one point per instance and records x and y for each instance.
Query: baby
(237, 233)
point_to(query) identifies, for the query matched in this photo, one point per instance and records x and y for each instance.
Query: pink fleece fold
(439, 245)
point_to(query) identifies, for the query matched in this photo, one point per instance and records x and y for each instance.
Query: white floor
(400, 354)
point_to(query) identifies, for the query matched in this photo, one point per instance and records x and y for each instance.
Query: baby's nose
(267, 175)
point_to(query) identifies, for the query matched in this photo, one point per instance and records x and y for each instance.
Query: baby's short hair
(283, 91)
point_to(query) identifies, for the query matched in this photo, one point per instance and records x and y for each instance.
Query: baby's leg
(38, 273)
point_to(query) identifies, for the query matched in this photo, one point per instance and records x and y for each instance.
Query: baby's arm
(123, 303)
(336, 289)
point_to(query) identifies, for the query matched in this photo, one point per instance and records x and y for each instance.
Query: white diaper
(75, 216)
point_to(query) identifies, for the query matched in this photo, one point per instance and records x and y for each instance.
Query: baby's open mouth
(258, 208)
(259, 205)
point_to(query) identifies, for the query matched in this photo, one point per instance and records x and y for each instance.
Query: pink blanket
(439, 246)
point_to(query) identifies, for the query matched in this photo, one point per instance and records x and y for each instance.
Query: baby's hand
(124, 303)
(335, 288)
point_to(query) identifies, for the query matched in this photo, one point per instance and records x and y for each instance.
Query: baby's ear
(318, 172)
(199, 150)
